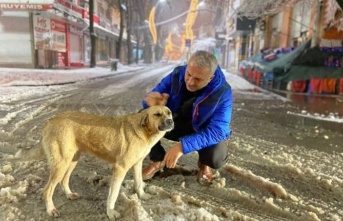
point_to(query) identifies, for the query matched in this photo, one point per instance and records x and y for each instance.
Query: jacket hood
(218, 80)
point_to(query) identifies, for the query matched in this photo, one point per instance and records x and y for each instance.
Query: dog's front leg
(138, 181)
(116, 181)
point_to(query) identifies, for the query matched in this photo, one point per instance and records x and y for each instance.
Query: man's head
(200, 70)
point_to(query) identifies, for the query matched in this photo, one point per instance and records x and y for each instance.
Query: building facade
(55, 33)
(289, 27)
(296, 46)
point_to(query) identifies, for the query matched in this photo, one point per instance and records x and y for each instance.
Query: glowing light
(152, 26)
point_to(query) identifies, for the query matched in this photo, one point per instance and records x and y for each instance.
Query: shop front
(106, 43)
(241, 30)
(16, 38)
(52, 34)
(50, 42)
(76, 45)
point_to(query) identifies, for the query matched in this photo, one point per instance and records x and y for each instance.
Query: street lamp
(191, 15)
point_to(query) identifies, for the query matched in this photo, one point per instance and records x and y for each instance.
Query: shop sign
(86, 16)
(28, 1)
(69, 8)
(42, 32)
(61, 59)
(58, 31)
(221, 35)
(75, 29)
(12, 6)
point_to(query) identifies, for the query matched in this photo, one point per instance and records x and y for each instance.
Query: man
(201, 102)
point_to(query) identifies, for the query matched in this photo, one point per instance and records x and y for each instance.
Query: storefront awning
(281, 64)
(300, 72)
(99, 30)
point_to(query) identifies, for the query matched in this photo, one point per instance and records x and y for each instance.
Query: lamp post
(190, 14)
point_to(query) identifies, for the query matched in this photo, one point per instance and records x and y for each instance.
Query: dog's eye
(158, 114)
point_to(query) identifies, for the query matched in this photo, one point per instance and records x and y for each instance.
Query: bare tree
(147, 39)
(261, 8)
(129, 21)
(122, 10)
(137, 29)
(138, 39)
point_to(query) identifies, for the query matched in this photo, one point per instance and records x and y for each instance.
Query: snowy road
(279, 169)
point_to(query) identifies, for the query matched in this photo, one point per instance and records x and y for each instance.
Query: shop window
(103, 50)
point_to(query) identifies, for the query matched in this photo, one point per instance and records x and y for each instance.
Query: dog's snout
(169, 121)
(167, 125)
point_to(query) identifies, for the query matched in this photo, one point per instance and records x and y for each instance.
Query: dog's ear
(144, 119)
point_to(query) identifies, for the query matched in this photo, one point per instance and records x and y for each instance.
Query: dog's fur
(123, 141)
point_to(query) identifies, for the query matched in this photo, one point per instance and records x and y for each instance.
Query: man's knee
(215, 156)
(220, 162)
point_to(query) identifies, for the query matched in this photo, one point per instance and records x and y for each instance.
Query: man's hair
(204, 59)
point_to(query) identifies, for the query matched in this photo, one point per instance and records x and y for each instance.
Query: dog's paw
(73, 196)
(144, 196)
(53, 212)
(112, 214)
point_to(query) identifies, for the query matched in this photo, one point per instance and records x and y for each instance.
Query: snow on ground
(333, 117)
(33, 77)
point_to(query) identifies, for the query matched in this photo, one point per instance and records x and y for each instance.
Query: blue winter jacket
(212, 110)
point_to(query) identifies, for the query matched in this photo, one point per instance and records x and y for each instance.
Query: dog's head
(157, 118)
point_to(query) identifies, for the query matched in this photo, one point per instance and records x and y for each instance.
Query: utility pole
(92, 34)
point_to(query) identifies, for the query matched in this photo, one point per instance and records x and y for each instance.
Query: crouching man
(201, 102)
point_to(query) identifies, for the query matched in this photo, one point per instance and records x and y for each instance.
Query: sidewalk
(45, 77)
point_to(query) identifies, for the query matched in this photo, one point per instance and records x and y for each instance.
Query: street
(279, 167)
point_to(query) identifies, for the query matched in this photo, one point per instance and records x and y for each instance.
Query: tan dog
(123, 141)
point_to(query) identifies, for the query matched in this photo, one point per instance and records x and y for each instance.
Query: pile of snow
(333, 117)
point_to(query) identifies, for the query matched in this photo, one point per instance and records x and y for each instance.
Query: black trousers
(214, 156)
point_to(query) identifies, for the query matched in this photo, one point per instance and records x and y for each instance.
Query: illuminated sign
(11, 6)
(26, 4)
(41, 2)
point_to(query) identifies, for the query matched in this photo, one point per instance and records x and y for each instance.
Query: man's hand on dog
(173, 155)
(155, 98)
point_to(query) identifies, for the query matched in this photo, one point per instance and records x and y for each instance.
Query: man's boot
(205, 174)
(152, 168)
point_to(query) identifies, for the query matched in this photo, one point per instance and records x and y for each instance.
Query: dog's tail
(30, 154)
